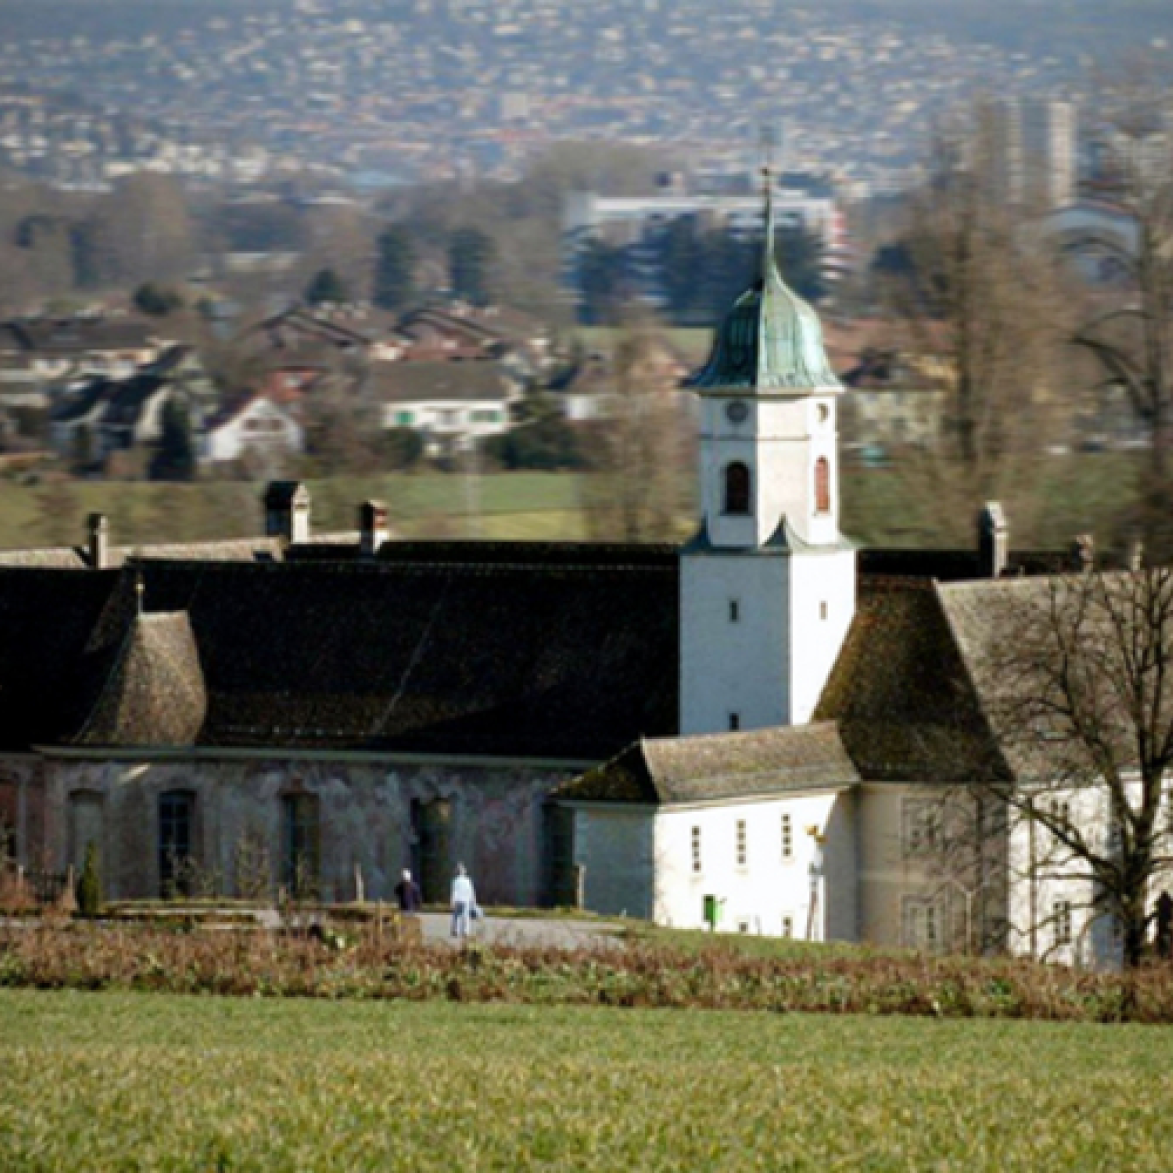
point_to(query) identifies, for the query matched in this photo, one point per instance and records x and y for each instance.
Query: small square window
(743, 926)
(788, 926)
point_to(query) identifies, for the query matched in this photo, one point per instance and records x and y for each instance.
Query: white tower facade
(768, 585)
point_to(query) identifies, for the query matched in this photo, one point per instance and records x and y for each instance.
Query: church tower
(768, 584)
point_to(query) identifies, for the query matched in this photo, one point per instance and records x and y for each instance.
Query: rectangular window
(787, 837)
(404, 419)
(300, 838)
(922, 925)
(176, 842)
(823, 610)
(734, 722)
(1061, 920)
(788, 926)
(734, 611)
(922, 828)
(743, 926)
(696, 849)
(742, 844)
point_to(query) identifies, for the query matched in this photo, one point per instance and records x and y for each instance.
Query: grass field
(105, 1081)
(886, 506)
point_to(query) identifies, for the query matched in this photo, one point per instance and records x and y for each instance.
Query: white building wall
(780, 440)
(1051, 915)
(615, 847)
(771, 892)
(734, 666)
(822, 605)
(767, 666)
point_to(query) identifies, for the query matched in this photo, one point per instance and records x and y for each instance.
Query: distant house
(451, 403)
(300, 346)
(36, 352)
(254, 425)
(588, 389)
(102, 415)
(889, 400)
(459, 332)
(343, 330)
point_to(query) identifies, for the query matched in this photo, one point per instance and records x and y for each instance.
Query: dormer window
(822, 485)
(737, 485)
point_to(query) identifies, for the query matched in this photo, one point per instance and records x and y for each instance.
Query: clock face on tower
(737, 412)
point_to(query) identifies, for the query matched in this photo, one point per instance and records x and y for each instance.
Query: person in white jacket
(464, 900)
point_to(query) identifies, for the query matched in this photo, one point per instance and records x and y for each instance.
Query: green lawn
(105, 1081)
(1060, 497)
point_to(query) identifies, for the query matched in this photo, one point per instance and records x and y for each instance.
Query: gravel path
(558, 932)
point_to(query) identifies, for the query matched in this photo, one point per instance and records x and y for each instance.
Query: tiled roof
(525, 656)
(75, 335)
(902, 694)
(150, 690)
(65, 557)
(717, 766)
(47, 617)
(418, 382)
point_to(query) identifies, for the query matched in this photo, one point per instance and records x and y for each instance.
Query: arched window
(736, 487)
(822, 485)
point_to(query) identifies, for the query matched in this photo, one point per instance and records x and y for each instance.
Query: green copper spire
(771, 339)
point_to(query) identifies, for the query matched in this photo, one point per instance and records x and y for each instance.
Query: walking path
(556, 932)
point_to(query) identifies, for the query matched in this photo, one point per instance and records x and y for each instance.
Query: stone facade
(376, 814)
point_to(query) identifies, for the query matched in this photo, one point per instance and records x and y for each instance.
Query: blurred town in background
(463, 255)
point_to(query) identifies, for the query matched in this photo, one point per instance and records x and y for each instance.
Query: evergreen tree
(602, 271)
(541, 437)
(89, 884)
(800, 257)
(176, 457)
(395, 270)
(156, 300)
(326, 286)
(471, 254)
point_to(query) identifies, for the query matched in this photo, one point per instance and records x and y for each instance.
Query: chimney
(993, 541)
(287, 511)
(98, 542)
(372, 524)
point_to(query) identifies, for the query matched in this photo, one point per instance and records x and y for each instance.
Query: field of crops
(141, 1081)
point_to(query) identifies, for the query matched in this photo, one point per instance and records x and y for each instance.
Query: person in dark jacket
(408, 893)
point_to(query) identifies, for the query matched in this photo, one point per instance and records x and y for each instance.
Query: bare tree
(1079, 687)
(972, 293)
(639, 451)
(1131, 338)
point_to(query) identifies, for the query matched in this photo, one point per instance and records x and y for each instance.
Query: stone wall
(367, 816)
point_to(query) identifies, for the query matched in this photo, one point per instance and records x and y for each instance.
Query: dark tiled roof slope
(47, 619)
(152, 690)
(719, 766)
(527, 660)
(902, 693)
